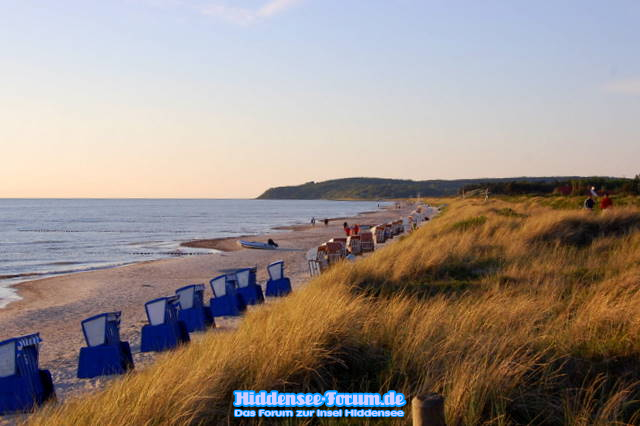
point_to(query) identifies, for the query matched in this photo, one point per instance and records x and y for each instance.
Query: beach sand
(55, 306)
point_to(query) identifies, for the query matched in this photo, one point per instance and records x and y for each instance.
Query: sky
(224, 99)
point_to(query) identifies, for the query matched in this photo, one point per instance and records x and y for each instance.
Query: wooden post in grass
(428, 410)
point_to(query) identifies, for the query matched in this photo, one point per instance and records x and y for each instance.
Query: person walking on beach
(589, 203)
(326, 222)
(346, 228)
(606, 202)
(313, 221)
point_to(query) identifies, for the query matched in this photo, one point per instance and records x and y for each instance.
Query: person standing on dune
(606, 202)
(589, 203)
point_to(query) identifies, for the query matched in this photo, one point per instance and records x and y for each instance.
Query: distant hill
(362, 188)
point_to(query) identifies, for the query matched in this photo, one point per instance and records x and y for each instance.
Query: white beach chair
(366, 242)
(317, 262)
(353, 243)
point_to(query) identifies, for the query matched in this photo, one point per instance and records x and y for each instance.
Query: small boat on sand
(256, 245)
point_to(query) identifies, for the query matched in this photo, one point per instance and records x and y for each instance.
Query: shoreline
(56, 305)
(13, 282)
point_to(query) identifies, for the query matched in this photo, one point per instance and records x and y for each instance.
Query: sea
(45, 237)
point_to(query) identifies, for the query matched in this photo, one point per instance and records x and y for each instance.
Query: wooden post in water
(428, 410)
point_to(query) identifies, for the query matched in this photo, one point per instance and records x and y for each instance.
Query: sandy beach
(55, 306)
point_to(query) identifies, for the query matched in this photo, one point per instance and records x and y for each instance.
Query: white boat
(256, 245)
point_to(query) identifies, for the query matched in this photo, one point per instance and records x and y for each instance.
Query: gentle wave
(60, 272)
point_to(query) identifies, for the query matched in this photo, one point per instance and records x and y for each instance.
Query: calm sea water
(44, 237)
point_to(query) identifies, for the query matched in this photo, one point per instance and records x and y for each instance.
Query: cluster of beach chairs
(336, 249)
(23, 385)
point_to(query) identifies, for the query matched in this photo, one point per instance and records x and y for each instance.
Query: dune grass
(528, 315)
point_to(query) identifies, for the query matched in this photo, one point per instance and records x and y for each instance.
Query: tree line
(575, 186)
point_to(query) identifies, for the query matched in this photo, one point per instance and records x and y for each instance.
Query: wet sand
(55, 306)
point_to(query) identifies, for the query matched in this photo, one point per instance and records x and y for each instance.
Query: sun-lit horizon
(214, 99)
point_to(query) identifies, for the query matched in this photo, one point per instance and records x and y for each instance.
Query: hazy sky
(207, 98)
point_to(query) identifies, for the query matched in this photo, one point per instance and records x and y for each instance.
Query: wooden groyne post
(428, 410)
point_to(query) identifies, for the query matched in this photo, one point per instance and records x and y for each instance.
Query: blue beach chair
(165, 330)
(193, 312)
(277, 285)
(226, 302)
(104, 354)
(247, 286)
(388, 234)
(23, 385)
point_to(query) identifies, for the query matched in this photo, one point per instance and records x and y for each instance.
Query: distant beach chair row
(336, 249)
(24, 386)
